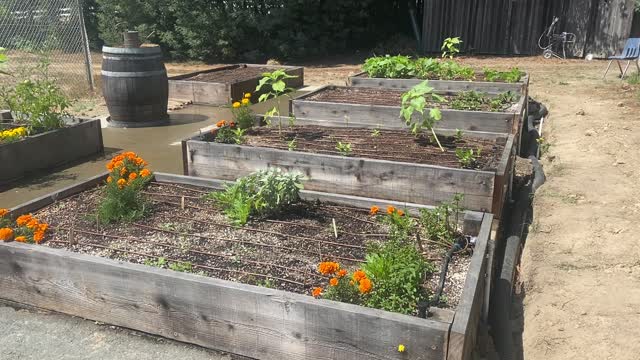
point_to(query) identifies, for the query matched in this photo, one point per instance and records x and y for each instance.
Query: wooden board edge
(462, 327)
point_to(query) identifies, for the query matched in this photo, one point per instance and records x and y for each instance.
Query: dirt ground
(580, 271)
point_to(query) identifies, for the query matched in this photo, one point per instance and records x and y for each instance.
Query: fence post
(85, 44)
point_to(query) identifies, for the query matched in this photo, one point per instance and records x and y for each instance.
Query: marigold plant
(227, 133)
(27, 229)
(123, 200)
(350, 289)
(11, 135)
(242, 113)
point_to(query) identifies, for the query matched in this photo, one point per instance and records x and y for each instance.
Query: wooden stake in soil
(182, 202)
(72, 237)
(335, 229)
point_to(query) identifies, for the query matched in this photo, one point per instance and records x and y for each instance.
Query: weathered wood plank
(212, 93)
(473, 219)
(83, 138)
(405, 182)
(498, 122)
(362, 80)
(465, 325)
(252, 321)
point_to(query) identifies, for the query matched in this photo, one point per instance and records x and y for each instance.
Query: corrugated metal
(512, 27)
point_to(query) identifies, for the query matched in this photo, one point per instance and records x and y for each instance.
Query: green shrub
(37, 102)
(263, 193)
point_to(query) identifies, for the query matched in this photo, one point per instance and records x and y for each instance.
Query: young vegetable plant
(468, 158)
(512, 76)
(344, 148)
(275, 82)
(263, 193)
(450, 47)
(459, 134)
(292, 144)
(440, 224)
(375, 133)
(415, 101)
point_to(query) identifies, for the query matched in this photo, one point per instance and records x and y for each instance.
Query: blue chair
(630, 53)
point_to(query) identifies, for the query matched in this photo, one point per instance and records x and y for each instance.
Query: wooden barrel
(135, 86)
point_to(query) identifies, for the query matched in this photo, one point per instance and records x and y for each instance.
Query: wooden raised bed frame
(520, 87)
(212, 93)
(243, 319)
(381, 179)
(43, 151)
(389, 116)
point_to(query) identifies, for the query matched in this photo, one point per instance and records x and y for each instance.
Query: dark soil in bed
(281, 252)
(378, 97)
(395, 145)
(229, 76)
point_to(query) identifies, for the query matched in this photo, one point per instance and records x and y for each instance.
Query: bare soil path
(580, 269)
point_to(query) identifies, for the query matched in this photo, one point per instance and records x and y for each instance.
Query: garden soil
(580, 272)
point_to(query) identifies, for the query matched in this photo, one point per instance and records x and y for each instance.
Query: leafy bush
(36, 101)
(395, 67)
(263, 193)
(122, 199)
(251, 30)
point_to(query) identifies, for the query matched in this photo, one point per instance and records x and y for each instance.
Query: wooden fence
(512, 27)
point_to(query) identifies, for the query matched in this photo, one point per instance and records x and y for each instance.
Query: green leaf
(279, 86)
(435, 114)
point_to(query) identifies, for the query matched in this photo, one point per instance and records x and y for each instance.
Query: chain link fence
(53, 30)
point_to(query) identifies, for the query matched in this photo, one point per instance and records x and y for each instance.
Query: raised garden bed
(79, 139)
(223, 85)
(381, 107)
(96, 273)
(393, 165)
(479, 84)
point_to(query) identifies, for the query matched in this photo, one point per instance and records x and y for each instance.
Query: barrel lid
(146, 49)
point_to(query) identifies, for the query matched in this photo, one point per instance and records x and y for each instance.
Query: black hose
(443, 271)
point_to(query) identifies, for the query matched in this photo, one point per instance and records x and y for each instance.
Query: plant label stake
(335, 229)
(182, 203)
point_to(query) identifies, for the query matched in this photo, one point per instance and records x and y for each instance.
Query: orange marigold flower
(38, 236)
(109, 179)
(33, 223)
(145, 173)
(123, 171)
(316, 291)
(133, 176)
(110, 166)
(365, 286)
(236, 105)
(359, 275)
(43, 227)
(342, 273)
(232, 124)
(139, 161)
(3, 212)
(390, 209)
(351, 282)
(245, 101)
(6, 234)
(21, 239)
(118, 164)
(333, 282)
(121, 183)
(400, 212)
(374, 210)
(221, 123)
(328, 267)
(23, 219)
